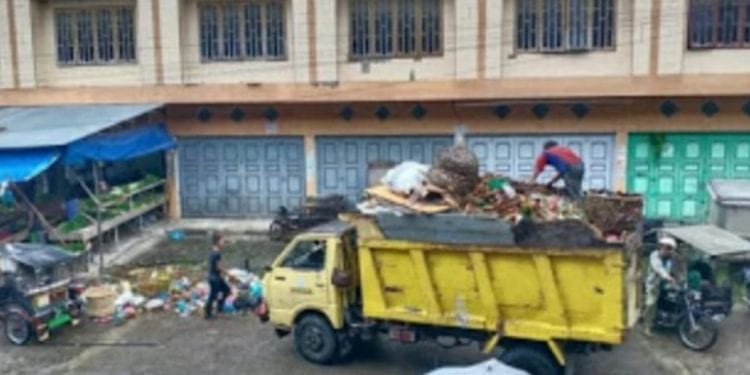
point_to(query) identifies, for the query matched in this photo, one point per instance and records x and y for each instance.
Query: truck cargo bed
(540, 294)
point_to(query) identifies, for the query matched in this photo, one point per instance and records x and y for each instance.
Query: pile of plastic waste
(181, 295)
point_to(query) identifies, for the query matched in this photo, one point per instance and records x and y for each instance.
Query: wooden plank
(47, 226)
(384, 193)
(130, 195)
(89, 232)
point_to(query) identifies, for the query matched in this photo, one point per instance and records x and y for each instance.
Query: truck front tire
(316, 340)
(534, 360)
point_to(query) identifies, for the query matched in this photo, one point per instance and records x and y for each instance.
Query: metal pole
(99, 239)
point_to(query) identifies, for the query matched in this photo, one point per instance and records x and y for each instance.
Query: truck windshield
(308, 255)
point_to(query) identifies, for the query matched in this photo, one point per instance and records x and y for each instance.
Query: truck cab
(308, 286)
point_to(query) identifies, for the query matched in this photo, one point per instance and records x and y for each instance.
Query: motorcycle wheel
(18, 330)
(701, 337)
(276, 231)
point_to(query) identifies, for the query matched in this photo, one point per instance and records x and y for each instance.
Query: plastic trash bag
(256, 289)
(489, 367)
(406, 177)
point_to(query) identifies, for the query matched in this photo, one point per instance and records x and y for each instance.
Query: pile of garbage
(169, 289)
(539, 214)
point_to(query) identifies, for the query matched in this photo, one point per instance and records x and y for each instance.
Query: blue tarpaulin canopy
(24, 164)
(121, 145)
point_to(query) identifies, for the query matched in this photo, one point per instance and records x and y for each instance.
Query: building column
(672, 18)
(171, 53)
(299, 41)
(6, 54)
(467, 38)
(311, 170)
(493, 40)
(620, 182)
(146, 42)
(326, 41)
(26, 67)
(173, 185)
(642, 37)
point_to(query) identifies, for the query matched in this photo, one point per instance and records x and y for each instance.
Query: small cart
(707, 249)
(37, 292)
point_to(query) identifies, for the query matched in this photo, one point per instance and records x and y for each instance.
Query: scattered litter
(154, 304)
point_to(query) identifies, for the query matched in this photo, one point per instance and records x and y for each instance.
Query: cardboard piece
(384, 193)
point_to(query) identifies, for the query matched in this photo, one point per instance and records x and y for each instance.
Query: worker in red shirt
(568, 164)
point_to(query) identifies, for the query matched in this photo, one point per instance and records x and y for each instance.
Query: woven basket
(100, 301)
(152, 286)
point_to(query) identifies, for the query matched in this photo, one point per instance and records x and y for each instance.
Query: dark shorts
(573, 178)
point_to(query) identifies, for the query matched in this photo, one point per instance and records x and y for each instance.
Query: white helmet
(668, 241)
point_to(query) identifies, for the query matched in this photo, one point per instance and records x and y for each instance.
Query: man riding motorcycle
(659, 272)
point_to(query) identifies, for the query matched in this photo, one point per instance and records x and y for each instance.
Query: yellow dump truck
(343, 282)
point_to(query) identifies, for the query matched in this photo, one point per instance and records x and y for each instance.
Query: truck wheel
(533, 360)
(18, 330)
(316, 340)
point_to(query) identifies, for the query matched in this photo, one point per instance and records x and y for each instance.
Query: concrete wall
(717, 61)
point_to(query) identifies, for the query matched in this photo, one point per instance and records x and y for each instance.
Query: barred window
(719, 24)
(242, 30)
(395, 28)
(565, 25)
(101, 35)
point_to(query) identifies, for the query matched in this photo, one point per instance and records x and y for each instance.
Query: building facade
(275, 100)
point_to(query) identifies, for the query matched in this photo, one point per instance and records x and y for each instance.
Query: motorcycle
(682, 308)
(315, 211)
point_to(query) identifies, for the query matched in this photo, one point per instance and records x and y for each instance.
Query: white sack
(406, 177)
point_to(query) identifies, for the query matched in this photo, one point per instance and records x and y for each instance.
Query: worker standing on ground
(568, 164)
(219, 288)
(659, 272)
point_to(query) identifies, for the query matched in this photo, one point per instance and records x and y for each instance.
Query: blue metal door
(514, 155)
(342, 161)
(240, 176)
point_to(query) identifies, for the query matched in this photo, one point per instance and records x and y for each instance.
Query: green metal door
(672, 170)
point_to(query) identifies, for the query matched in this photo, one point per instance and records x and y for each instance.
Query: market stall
(17, 213)
(47, 152)
(105, 210)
